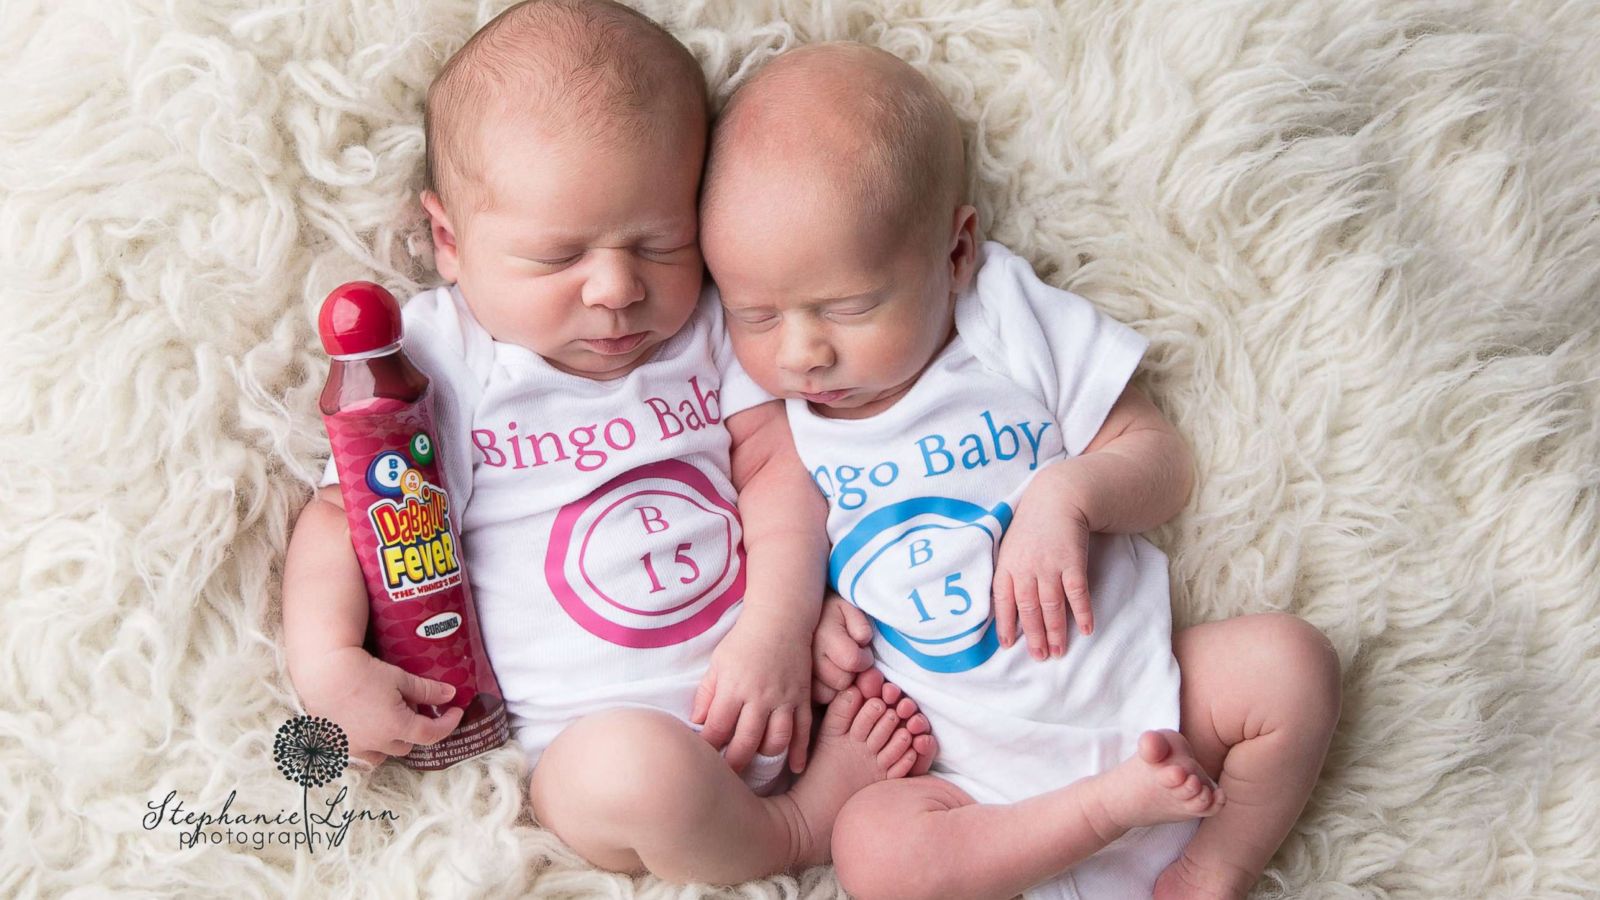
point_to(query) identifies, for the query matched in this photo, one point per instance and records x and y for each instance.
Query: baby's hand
(754, 694)
(372, 701)
(1042, 568)
(840, 649)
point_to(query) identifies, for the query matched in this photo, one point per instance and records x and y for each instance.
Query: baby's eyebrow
(629, 235)
(869, 293)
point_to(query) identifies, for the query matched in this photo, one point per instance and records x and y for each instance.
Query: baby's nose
(803, 352)
(613, 280)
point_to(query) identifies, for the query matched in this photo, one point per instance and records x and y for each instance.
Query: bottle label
(416, 550)
(404, 533)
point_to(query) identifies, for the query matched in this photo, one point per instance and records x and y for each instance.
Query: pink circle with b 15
(651, 558)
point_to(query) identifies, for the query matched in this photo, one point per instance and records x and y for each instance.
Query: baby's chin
(860, 403)
(603, 367)
(856, 404)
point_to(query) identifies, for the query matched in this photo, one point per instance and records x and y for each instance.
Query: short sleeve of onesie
(1052, 343)
(442, 339)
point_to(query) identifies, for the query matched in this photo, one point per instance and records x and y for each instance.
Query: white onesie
(598, 518)
(918, 498)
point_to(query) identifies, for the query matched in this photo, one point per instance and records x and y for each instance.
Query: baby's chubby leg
(637, 790)
(926, 838)
(1260, 701)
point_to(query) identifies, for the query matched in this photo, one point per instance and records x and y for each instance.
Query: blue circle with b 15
(923, 569)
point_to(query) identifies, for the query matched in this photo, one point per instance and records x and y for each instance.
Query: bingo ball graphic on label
(411, 483)
(922, 569)
(421, 448)
(385, 474)
(652, 558)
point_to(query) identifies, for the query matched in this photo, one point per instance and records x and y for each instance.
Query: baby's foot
(871, 683)
(860, 741)
(1163, 782)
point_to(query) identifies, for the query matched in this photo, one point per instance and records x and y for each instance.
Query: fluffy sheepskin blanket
(1363, 235)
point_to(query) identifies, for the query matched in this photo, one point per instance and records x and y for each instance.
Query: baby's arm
(324, 624)
(1135, 475)
(757, 692)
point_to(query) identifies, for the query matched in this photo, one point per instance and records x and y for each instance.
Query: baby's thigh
(886, 829)
(1254, 675)
(609, 774)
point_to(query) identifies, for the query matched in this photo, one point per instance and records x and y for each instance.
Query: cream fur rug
(1364, 236)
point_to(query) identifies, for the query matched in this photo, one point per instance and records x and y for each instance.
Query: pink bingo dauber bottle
(379, 416)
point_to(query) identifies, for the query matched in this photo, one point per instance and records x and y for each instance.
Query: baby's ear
(445, 256)
(963, 247)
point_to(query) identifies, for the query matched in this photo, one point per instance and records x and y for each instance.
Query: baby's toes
(841, 715)
(1198, 794)
(1190, 789)
(1204, 802)
(892, 694)
(870, 683)
(886, 728)
(927, 747)
(1172, 777)
(1156, 746)
(905, 765)
(898, 745)
(867, 715)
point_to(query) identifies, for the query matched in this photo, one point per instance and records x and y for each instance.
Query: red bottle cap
(359, 319)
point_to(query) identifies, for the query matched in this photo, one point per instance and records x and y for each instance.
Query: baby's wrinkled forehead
(844, 118)
(589, 70)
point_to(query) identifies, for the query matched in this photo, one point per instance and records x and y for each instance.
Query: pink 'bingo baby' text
(589, 447)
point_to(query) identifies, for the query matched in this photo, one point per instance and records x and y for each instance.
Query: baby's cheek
(758, 356)
(884, 356)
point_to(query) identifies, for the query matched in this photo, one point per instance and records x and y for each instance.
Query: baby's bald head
(847, 119)
(593, 69)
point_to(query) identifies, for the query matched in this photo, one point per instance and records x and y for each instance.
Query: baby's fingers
(832, 675)
(856, 623)
(1076, 586)
(1005, 609)
(780, 729)
(822, 692)
(836, 646)
(1027, 593)
(1053, 608)
(746, 739)
(721, 720)
(423, 691)
(426, 730)
(800, 746)
(703, 695)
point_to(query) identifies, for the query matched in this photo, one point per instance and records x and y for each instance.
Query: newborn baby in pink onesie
(645, 550)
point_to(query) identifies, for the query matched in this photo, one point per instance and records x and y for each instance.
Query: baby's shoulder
(440, 316)
(1003, 278)
(1007, 302)
(443, 337)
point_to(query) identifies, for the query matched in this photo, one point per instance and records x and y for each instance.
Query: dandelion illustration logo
(310, 751)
